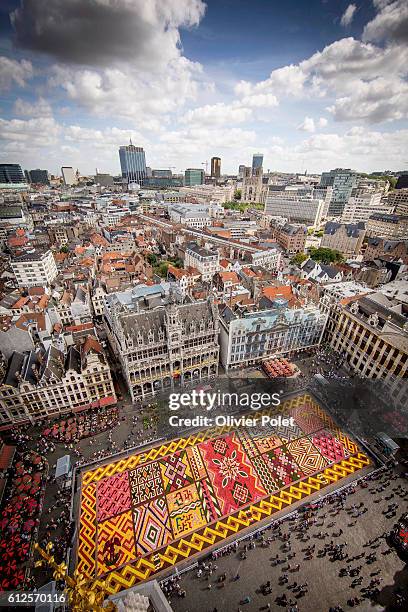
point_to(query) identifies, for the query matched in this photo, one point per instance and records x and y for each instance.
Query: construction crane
(205, 163)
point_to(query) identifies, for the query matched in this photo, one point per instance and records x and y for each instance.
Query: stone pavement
(325, 587)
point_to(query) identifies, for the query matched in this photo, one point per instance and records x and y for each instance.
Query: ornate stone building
(48, 383)
(371, 331)
(164, 346)
(250, 339)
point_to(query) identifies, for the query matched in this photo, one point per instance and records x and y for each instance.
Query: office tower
(103, 179)
(193, 176)
(38, 177)
(296, 208)
(161, 173)
(402, 182)
(216, 167)
(257, 162)
(132, 163)
(398, 201)
(11, 173)
(68, 176)
(241, 170)
(343, 181)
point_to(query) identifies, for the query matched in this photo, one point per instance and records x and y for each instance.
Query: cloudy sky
(312, 84)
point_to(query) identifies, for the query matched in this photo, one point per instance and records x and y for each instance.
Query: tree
(176, 262)
(237, 194)
(298, 259)
(64, 249)
(161, 269)
(151, 258)
(382, 177)
(235, 206)
(325, 255)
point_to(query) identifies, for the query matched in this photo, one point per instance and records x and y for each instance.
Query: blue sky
(312, 84)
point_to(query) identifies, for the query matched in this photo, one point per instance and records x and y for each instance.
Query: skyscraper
(132, 163)
(343, 181)
(193, 176)
(257, 161)
(241, 170)
(38, 177)
(68, 176)
(216, 167)
(11, 173)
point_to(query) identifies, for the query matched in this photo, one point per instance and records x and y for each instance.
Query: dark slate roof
(32, 364)
(265, 303)
(291, 229)
(34, 256)
(309, 265)
(73, 360)
(329, 270)
(53, 364)
(193, 246)
(353, 229)
(80, 295)
(370, 306)
(386, 217)
(15, 365)
(143, 322)
(227, 314)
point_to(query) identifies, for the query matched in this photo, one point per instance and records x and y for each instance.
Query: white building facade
(36, 269)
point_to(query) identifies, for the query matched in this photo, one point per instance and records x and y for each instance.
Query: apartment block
(205, 261)
(387, 226)
(291, 237)
(35, 269)
(347, 238)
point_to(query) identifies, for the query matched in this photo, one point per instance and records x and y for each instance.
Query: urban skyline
(204, 305)
(201, 82)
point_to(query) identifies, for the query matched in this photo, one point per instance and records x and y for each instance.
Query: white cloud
(132, 95)
(348, 15)
(113, 137)
(310, 125)
(41, 108)
(36, 132)
(218, 114)
(382, 99)
(101, 32)
(359, 148)
(13, 72)
(288, 81)
(391, 23)
(261, 100)
(307, 125)
(350, 71)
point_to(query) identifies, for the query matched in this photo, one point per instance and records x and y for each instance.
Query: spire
(131, 143)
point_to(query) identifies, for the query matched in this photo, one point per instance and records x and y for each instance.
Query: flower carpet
(147, 512)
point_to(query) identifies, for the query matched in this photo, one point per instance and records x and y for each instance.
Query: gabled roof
(91, 344)
(26, 319)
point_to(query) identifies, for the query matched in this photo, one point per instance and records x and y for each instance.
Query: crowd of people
(315, 524)
(79, 426)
